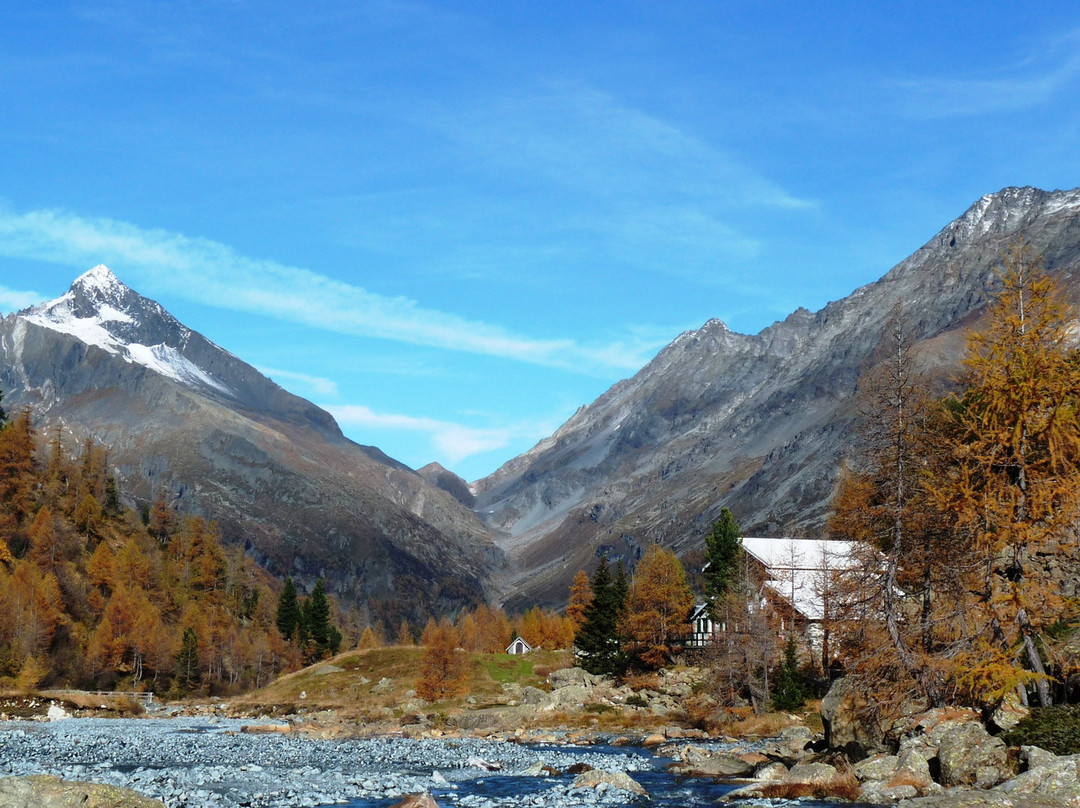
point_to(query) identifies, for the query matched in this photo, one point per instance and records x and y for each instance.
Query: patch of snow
(1063, 201)
(170, 362)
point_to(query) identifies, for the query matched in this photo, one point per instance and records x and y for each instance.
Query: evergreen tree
(317, 619)
(722, 547)
(112, 497)
(598, 640)
(187, 661)
(288, 611)
(3, 415)
(789, 694)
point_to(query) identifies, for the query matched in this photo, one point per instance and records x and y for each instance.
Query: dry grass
(765, 725)
(905, 778)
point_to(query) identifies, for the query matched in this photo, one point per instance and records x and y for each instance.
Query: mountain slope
(184, 419)
(756, 423)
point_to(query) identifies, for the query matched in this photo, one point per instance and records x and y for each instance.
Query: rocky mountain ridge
(758, 423)
(186, 421)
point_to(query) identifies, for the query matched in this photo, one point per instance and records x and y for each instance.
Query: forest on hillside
(95, 594)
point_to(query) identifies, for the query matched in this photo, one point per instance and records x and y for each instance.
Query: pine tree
(317, 619)
(112, 497)
(188, 674)
(722, 548)
(288, 611)
(598, 641)
(789, 693)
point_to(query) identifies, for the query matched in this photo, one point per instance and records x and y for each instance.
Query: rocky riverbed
(211, 762)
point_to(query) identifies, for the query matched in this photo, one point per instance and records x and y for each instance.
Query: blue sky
(452, 224)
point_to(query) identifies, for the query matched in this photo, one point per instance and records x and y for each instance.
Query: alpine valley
(757, 423)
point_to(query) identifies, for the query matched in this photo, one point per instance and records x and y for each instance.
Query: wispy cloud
(450, 441)
(590, 141)
(13, 300)
(1025, 84)
(320, 385)
(214, 274)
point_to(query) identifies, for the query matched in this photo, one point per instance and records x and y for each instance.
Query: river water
(189, 763)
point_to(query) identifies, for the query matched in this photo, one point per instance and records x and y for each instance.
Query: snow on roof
(798, 568)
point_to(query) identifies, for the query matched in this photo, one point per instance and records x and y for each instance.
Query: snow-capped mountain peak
(100, 282)
(100, 310)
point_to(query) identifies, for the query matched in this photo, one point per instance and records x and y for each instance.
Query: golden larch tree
(658, 606)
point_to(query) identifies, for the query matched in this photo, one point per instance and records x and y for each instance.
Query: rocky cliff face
(757, 423)
(184, 419)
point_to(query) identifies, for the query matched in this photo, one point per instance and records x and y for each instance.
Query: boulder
(812, 774)
(846, 719)
(771, 773)
(620, 780)
(533, 695)
(790, 745)
(877, 792)
(879, 767)
(1009, 713)
(47, 791)
(572, 676)
(700, 762)
(971, 756)
(983, 799)
(1047, 775)
(567, 695)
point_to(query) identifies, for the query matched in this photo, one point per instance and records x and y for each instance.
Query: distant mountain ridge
(186, 420)
(758, 423)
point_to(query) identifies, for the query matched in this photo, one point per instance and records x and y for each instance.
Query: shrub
(636, 700)
(642, 681)
(1055, 729)
(598, 708)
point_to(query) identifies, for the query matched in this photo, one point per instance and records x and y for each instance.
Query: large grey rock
(984, 799)
(534, 696)
(47, 791)
(567, 676)
(879, 767)
(620, 780)
(711, 764)
(812, 774)
(569, 695)
(1047, 776)
(846, 720)
(971, 756)
(879, 791)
